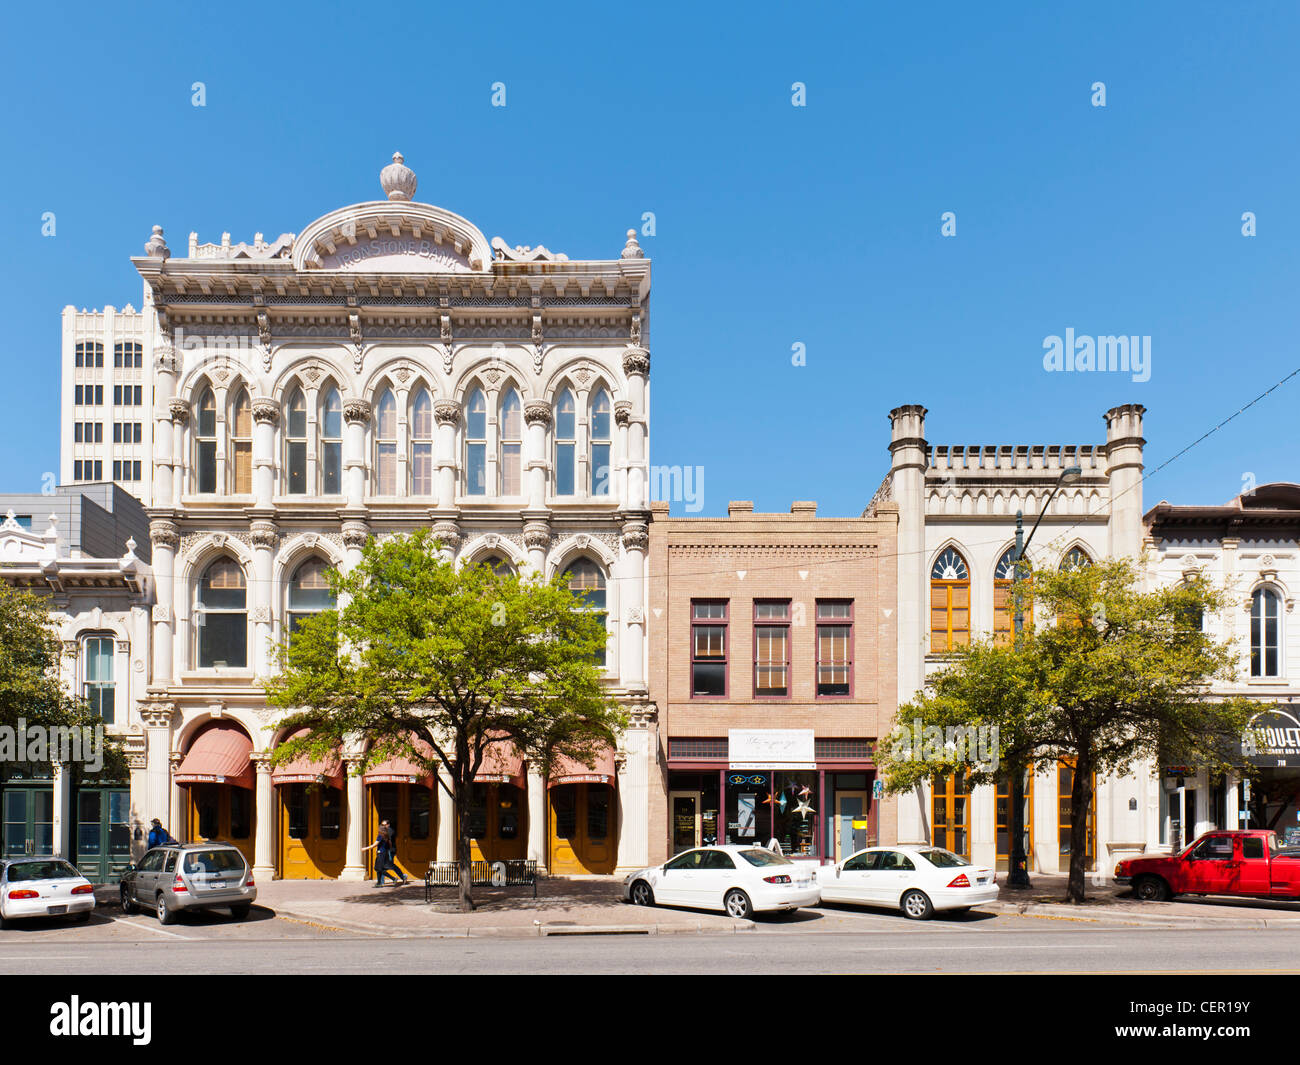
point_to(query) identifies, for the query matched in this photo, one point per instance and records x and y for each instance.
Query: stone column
(537, 541)
(356, 417)
(636, 543)
(636, 365)
(157, 718)
(447, 416)
(165, 538)
(537, 818)
(264, 801)
(622, 461)
(266, 412)
(635, 779)
(62, 814)
(537, 418)
(175, 817)
(355, 867)
(266, 538)
(446, 844)
(169, 412)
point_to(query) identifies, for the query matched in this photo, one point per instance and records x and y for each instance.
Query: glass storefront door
(950, 818)
(103, 835)
(28, 820)
(684, 811)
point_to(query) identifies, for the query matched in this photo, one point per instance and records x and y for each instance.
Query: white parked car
(43, 887)
(917, 880)
(737, 880)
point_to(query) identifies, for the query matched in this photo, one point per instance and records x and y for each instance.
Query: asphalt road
(215, 944)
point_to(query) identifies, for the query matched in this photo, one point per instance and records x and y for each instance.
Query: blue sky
(775, 225)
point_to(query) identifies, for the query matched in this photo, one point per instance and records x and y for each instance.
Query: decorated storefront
(499, 807)
(217, 779)
(310, 795)
(584, 815)
(404, 794)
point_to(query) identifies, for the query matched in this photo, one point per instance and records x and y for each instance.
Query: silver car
(189, 876)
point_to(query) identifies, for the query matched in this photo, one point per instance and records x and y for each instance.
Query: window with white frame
(296, 442)
(512, 444)
(599, 444)
(331, 443)
(205, 435)
(476, 444)
(422, 444)
(586, 580)
(566, 444)
(1265, 626)
(386, 445)
(309, 592)
(99, 688)
(221, 616)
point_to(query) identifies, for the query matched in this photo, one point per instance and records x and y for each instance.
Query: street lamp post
(1018, 874)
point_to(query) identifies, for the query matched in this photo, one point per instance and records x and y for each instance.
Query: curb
(509, 931)
(1127, 917)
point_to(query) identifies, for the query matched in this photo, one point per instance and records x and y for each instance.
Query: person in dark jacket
(158, 835)
(385, 849)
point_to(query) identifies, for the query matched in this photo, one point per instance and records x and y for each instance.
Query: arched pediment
(392, 237)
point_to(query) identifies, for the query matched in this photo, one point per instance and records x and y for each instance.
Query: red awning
(401, 770)
(568, 771)
(218, 755)
(305, 770)
(502, 764)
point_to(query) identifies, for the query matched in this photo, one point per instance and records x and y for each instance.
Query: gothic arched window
(949, 602)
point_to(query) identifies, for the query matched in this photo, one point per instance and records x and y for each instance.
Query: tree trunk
(1080, 805)
(464, 792)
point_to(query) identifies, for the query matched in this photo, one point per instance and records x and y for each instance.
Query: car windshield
(213, 861)
(22, 871)
(762, 857)
(943, 859)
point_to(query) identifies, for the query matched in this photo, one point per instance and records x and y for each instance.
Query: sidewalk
(1114, 904)
(564, 906)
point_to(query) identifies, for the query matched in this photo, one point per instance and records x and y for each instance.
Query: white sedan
(43, 887)
(917, 880)
(739, 881)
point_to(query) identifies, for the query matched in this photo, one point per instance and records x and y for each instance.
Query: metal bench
(517, 872)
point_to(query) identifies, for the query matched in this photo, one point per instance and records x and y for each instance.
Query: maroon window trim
(842, 618)
(772, 623)
(719, 620)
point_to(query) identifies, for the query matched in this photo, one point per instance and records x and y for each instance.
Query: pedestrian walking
(385, 849)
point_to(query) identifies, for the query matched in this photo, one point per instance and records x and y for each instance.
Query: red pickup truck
(1249, 863)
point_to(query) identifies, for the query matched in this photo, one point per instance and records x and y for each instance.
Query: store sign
(1272, 739)
(771, 748)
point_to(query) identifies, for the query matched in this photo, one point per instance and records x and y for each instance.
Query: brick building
(773, 651)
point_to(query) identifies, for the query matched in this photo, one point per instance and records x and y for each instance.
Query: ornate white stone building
(957, 516)
(386, 369)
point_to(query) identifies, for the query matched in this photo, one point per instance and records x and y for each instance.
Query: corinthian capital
(164, 534)
(179, 411)
(636, 536)
(636, 361)
(356, 410)
(622, 412)
(537, 413)
(446, 413)
(266, 411)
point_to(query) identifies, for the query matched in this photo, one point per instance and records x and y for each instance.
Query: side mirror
(837, 872)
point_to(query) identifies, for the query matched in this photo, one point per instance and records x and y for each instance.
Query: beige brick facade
(747, 557)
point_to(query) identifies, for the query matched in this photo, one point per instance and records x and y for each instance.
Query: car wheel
(241, 910)
(1151, 889)
(166, 915)
(642, 895)
(916, 906)
(128, 903)
(737, 904)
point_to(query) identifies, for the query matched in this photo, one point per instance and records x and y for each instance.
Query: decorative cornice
(636, 360)
(537, 412)
(157, 715)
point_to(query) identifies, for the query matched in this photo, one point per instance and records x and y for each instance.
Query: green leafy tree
(467, 659)
(1120, 676)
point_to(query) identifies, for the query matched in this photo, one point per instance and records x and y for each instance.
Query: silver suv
(189, 876)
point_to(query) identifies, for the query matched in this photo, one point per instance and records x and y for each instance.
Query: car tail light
(23, 893)
(776, 879)
(249, 881)
(178, 884)
(961, 881)
(84, 889)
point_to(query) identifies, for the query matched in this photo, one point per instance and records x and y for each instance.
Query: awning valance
(218, 755)
(401, 770)
(568, 771)
(306, 770)
(502, 764)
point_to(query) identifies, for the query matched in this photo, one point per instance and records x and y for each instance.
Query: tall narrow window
(1264, 617)
(512, 444)
(241, 444)
(476, 444)
(386, 445)
(566, 443)
(771, 648)
(949, 602)
(834, 647)
(587, 581)
(600, 471)
(296, 441)
(206, 437)
(422, 444)
(221, 616)
(950, 814)
(309, 592)
(1004, 605)
(331, 444)
(708, 648)
(99, 677)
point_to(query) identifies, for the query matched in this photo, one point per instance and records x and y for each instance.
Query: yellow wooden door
(582, 823)
(412, 811)
(223, 813)
(498, 823)
(312, 840)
